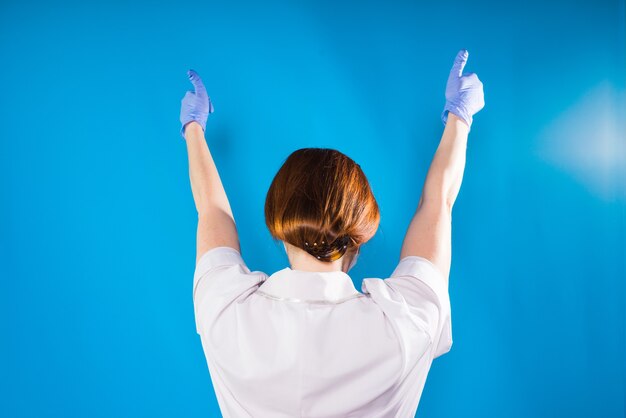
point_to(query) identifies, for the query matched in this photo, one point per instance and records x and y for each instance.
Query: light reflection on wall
(588, 141)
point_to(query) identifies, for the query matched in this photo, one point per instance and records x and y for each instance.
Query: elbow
(448, 205)
(436, 203)
(441, 191)
(449, 201)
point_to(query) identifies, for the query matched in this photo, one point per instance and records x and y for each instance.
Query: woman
(303, 342)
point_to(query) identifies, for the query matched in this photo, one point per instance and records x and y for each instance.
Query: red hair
(321, 202)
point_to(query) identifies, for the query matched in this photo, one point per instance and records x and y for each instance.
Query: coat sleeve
(417, 290)
(221, 278)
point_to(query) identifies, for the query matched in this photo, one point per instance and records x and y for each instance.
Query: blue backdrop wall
(97, 221)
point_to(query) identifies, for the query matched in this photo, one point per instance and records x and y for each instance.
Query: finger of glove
(471, 81)
(459, 63)
(197, 83)
(190, 96)
(472, 78)
(210, 106)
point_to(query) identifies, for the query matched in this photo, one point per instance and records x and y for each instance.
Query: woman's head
(321, 202)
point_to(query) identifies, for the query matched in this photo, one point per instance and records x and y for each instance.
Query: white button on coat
(308, 344)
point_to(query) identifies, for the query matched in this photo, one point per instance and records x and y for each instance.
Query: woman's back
(308, 344)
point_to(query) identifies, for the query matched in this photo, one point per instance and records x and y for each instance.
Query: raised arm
(216, 224)
(430, 232)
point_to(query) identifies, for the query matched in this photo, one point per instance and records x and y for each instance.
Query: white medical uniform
(308, 344)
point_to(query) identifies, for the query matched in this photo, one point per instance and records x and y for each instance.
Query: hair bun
(328, 251)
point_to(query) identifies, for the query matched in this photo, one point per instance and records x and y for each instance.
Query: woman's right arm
(430, 232)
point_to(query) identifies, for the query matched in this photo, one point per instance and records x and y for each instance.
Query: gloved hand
(195, 106)
(464, 92)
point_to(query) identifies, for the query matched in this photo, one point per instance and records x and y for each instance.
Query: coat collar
(328, 287)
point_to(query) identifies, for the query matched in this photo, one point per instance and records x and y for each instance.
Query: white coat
(308, 344)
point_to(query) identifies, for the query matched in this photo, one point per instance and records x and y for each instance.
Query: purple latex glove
(464, 92)
(195, 106)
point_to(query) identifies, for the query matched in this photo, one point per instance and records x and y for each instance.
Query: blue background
(97, 221)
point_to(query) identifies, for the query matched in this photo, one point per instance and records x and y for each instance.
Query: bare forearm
(444, 177)
(206, 185)
(430, 232)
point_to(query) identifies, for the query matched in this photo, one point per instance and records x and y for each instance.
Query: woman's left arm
(216, 223)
